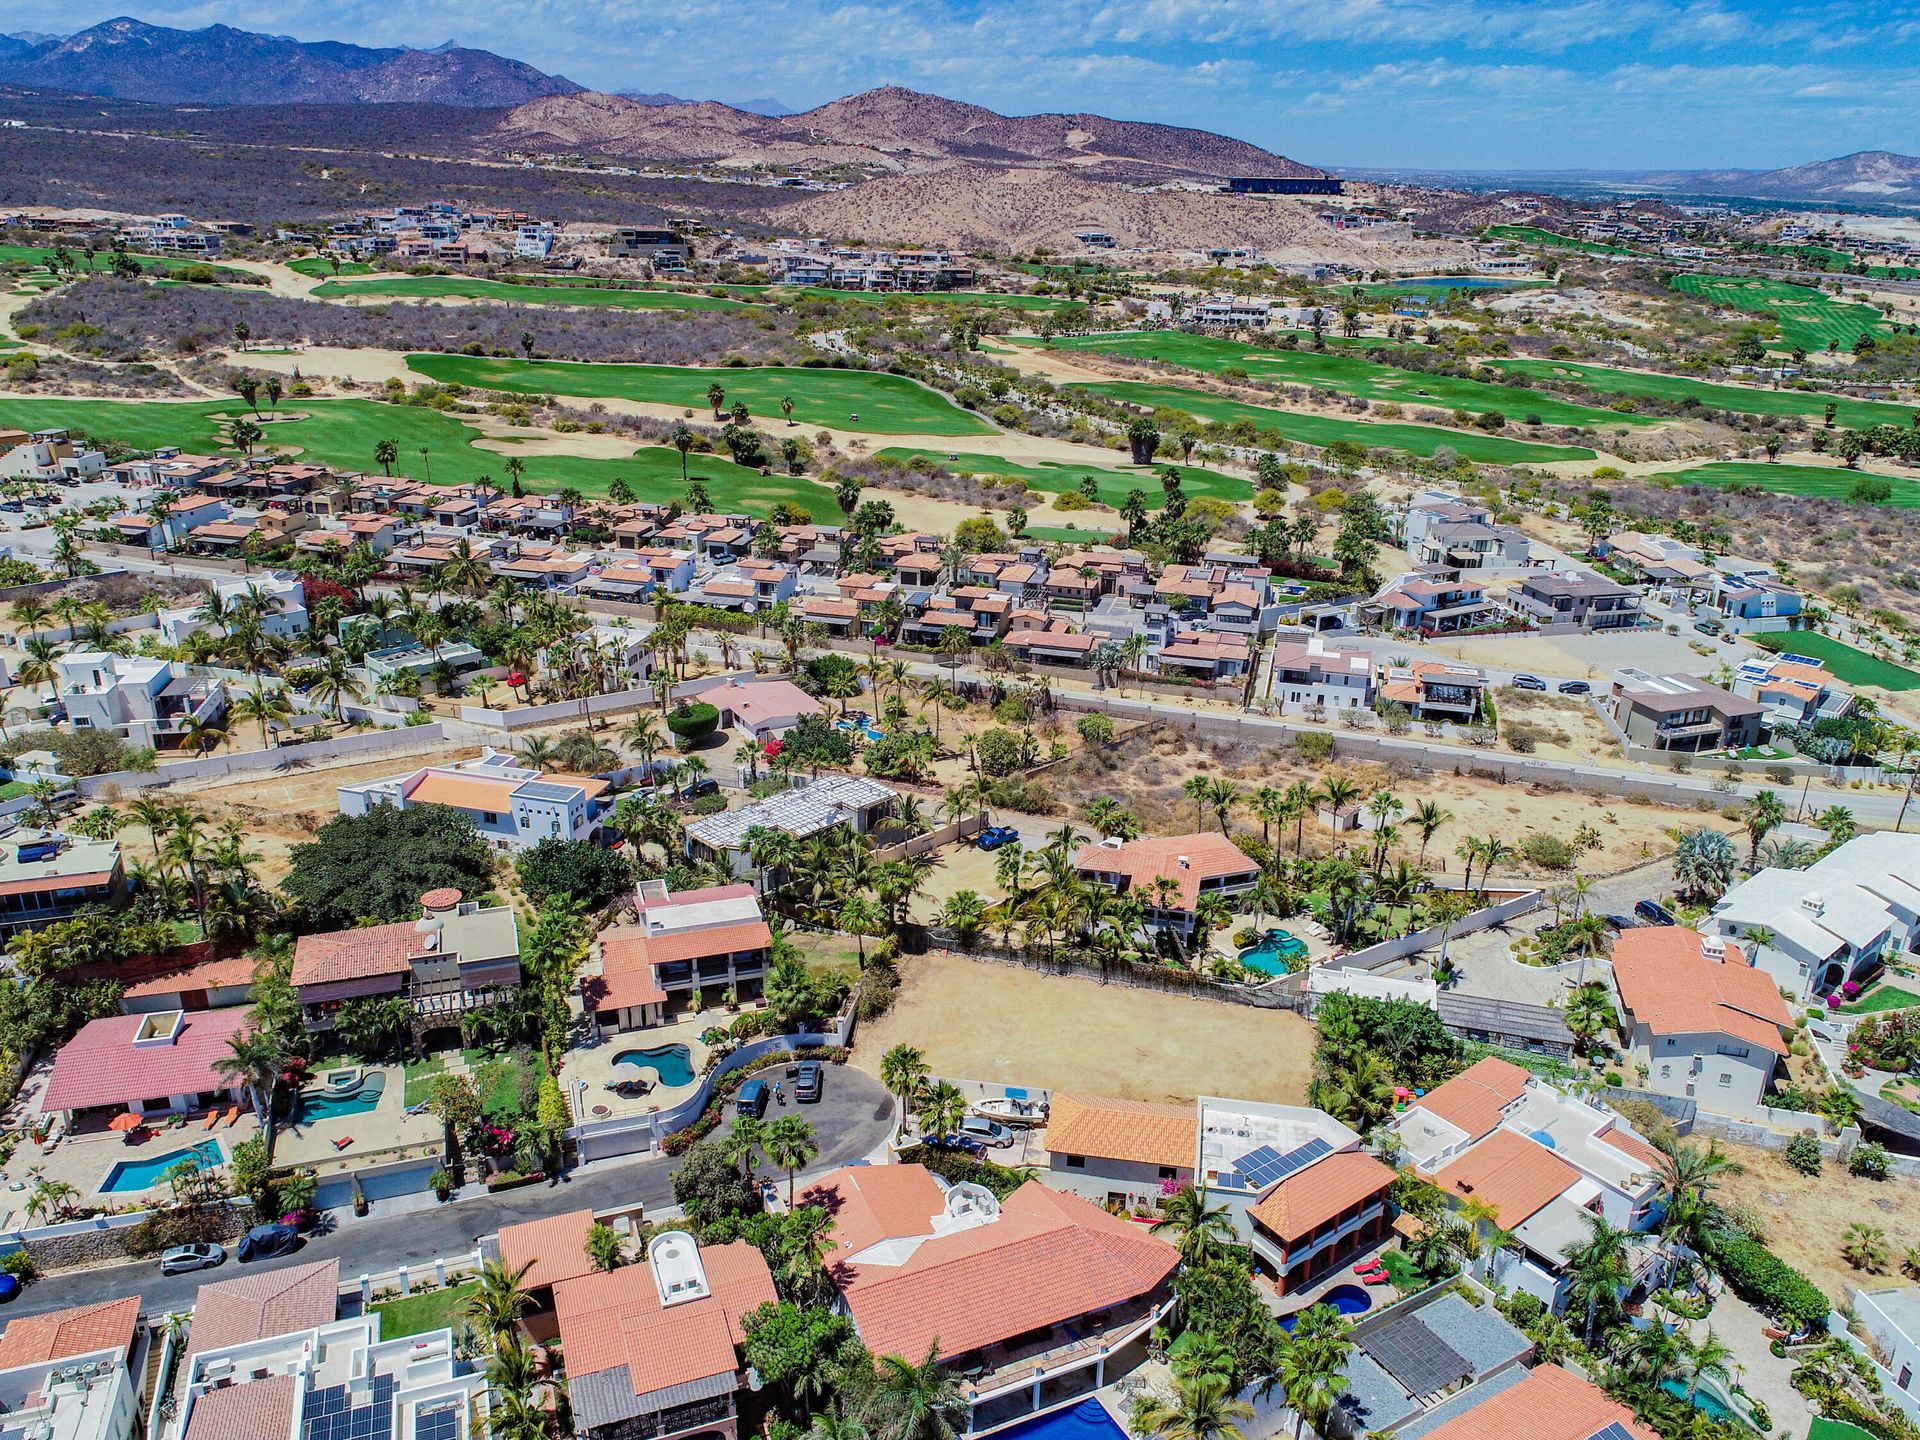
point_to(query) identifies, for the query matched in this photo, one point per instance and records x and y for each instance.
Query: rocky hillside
(129, 59)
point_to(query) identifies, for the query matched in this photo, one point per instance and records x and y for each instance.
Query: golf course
(1058, 476)
(1742, 399)
(868, 401)
(342, 434)
(1420, 440)
(1808, 319)
(1826, 482)
(464, 287)
(1348, 373)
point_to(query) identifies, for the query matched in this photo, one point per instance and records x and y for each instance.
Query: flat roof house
(1433, 689)
(712, 940)
(511, 805)
(1683, 713)
(1312, 673)
(1707, 1025)
(1169, 873)
(1892, 1317)
(1581, 599)
(805, 810)
(147, 701)
(1040, 1286)
(73, 1374)
(154, 1063)
(46, 875)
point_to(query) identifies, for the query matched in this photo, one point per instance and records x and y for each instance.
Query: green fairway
(342, 433)
(321, 268)
(1421, 440)
(1534, 235)
(465, 287)
(1742, 399)
(1442, 285)
(1831, 482)
(1853, 667)
(1058, 476)
(776, 293)
(1808, 318)
(885, 404)
(103, 261)
(1825, 1429)
(1347, 373)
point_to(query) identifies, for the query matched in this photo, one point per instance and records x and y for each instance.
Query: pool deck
(372, 1133)
(1295, 1301)
(592, 1062)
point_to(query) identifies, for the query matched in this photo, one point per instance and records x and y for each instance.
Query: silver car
(183, 1259)
(986, 1132)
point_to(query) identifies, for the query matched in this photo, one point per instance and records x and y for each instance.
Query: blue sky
(1497, 85)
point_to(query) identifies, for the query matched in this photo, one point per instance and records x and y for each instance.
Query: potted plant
(441, 1183)
(359, 1198)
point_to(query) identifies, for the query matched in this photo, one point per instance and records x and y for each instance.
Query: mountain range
(131, 60)
(762, 106)
(1866, 176)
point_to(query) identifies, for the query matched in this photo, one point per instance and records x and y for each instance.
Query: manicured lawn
(1058, 475)
(321, 268)
(1091, 532)
(885, 404)
(1742, 399)
(103, 261)
(1825, 1429)
(342, 433)
(418, 1314)
(1853, 667)
(1534, 235)
(1832, 482)
(1348, 373)
(420, 1077)
(777, 293)
(467, 287)
(1420, 440)
(1881, 997)
(1807, 317)
(1440, 285)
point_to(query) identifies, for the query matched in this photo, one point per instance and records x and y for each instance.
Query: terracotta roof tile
(1668, 984)
(1474, 1098)
(270, 1302)
(1141, 1131)
(1208, 857)
(254, 1410)
(1302, 1203)
(1550, 1404)
(595, 1310)
(62, 1334)
(556, 1247)
(354, 954)
(1514, 1175)
(493, 796)
(100, 1065)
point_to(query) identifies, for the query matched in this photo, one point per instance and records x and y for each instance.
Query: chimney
(1185, 862)
(1712, 947)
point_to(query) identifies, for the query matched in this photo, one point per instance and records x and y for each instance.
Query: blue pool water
(322, 1102)
(152, 1171)
(1086, 1421)
(1706, 1401)
(1345, 1299)
(672, 1063)
(1271, 955)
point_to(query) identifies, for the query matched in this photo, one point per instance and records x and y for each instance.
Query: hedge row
(1766, 1280)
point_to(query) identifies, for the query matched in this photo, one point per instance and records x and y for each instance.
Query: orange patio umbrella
(127, 1120)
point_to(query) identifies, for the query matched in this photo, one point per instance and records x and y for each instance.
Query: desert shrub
(1803, 1154)
(1869, 1161)
(1548, 852)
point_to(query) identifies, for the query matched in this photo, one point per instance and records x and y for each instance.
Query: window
(1075, 1162)
(1169, 1172)
(1725, 1080)
(1737, 1052)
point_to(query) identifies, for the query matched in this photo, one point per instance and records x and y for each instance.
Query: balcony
(1025, 1361)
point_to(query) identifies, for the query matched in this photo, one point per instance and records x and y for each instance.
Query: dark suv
(809, 1077)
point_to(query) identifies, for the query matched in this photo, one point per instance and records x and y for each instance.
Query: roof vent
(1185, 862)
(1712, 947)
(678, 1273)
(1814, 903)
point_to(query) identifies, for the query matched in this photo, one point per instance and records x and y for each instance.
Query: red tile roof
(271, 1302)
(1550, 1404)
(1143, 1132)
(626, 946)
(1515, 1175)
(1300, 1204)
(354, 954)
(555, 1247)
(1474, 1098)
(63, 1334)
(613, 1318)
(100, 1065)
(1048, 1258)
(253, 1410)
(1207, 857)
(1667, 984)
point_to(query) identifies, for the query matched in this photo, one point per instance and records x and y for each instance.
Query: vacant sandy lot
(1806, 1216)
(978, 1020)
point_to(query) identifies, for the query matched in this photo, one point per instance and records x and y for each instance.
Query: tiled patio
(1295, 1301)
(591, 1064)
(386, 1127)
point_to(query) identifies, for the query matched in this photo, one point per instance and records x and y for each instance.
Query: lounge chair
(213, 1119)
(233, 1114)
(343, 1142)
(1379, 1277)
(1367, 1265)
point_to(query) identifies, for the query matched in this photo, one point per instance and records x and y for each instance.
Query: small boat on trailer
(1012, 1110)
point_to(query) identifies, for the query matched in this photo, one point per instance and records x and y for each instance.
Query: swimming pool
(1088, 1420)
(1274, 952)
(673, 1064)
(1345, 1300)
(145, 1174)
(1710, 1400)
(326, 1102)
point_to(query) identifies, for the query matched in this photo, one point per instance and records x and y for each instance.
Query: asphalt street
(852, 1118)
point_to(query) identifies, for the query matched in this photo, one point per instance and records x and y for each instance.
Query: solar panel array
(547, 790)
(442, 1423)
(1614, 1431)
(1258, 1169)
(1413, 1354)
(332, 1415)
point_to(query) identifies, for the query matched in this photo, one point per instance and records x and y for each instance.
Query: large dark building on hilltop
(1285, 185)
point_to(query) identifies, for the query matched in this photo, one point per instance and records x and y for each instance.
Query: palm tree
(154, 813)
(1429, 818)
(1596, 1269)
(1202, 1408)
(500, 1298)
(1222, 795)
(1202, 1228)
(1312, 1367)
(1699, 1359)
(903, 1070)
(742, 1141)
(942, 1108)
(911, 1401)
(1334, 794)
(1763, 814)
(264, 707)
(791, 1145)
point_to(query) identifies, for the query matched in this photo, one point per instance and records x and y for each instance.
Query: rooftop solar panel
(547, 790)
(1418, 1358)
(1613, 1430)
(1265, 1166)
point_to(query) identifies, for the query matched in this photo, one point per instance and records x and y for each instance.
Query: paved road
(853, 1118)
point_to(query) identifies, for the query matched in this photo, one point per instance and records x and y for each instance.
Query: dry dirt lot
(1806, 1216)
(979, 1020)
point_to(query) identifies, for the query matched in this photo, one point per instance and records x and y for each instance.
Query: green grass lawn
(1825, 1429)
(103, 261)
(419, 1314)
(321, 268)
(1807, 317)
(1881, 997)
(1347, 373)
(467, 287)
(988, 298)
(1832, 482)
(1534, 235)
(1742, 399)
(342, 433)
(1851, 666)
(420, 1077)
(1092, 532)
(886, 404)
(1058, 476)
(1421, 440)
